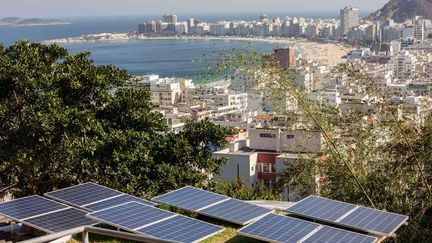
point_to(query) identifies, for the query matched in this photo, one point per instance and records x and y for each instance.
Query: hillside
(400, 10)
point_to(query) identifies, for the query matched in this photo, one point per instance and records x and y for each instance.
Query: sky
(77, 8)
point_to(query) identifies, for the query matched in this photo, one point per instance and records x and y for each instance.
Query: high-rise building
(285, 56)
(169, 18)
(190, 25)
(349, 18)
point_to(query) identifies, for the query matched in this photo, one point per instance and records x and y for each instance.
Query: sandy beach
(329, 54)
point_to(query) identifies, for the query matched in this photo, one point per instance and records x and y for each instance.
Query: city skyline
(84, 8)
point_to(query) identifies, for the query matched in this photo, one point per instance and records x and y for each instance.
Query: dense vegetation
(65, 120)
(371, 155)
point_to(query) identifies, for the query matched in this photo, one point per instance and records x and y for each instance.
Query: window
(266, 168)
(267, 135)
(290, 136)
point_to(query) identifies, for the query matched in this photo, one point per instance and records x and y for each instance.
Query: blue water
(163, 57)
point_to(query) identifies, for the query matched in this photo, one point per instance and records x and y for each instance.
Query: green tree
(65, 120)
(238, 189)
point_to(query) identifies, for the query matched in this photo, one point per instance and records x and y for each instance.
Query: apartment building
(259, 158)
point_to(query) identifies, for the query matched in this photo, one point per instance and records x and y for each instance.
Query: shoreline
(329, 54)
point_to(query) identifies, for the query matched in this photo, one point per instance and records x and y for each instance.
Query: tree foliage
(371, 156)
(65, 120)
(238, 189)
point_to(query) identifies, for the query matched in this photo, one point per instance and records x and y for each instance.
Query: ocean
(167, 58)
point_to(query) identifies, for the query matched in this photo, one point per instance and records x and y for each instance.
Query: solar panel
(278, 228)
(155, 222)
(117, 201)
(189, 198)
(27, 207)
(60, 220)
(374, 221)
(333, 235)
(92, 197)
(181, 229)
(130, 216)
(213, 205)
(235, 211)
(349, 215)
(321, 208)
(83, 194)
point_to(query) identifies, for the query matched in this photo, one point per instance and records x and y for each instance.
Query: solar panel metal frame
(336, 222)
(143, 226)
(310, 234)
(198, 211)
(84, 206)
(22, 221)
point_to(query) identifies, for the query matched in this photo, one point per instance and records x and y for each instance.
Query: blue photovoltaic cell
(278, 228)
(83, 194)
(26, 207)
(235, 211)
(189, 198)
(181, 229)
(60, 220)
(374, 220)
(321, 208)
(334, 235)
(117, 201)
(131, 215)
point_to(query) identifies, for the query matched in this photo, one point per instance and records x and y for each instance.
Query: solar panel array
(140, 216)
(349, 215)
(157, 223)
(61, 220)
(373, 220)
(190, 198)
(279, 228)
(213, 205)
(91, 196)
(28, 207)
(44, 214)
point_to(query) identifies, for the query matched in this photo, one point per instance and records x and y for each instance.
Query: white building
(404, 64)
(349, 19)
(164, 91)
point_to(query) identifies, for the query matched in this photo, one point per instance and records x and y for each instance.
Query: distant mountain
(401, 10)
(32, 21)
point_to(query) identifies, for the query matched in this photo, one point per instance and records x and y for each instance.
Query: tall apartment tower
(285, 56)
(169, 18)
(349, 18)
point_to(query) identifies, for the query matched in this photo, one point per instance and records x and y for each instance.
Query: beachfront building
(286, 57)
(349, 19)
(164, 91)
